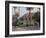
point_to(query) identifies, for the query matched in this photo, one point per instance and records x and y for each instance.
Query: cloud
(35, 10)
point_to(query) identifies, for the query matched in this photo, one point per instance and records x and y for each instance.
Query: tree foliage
(36, 17)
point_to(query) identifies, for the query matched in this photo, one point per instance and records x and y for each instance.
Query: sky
(22, 11)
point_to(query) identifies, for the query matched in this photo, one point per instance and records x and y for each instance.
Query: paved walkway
(25, 28)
